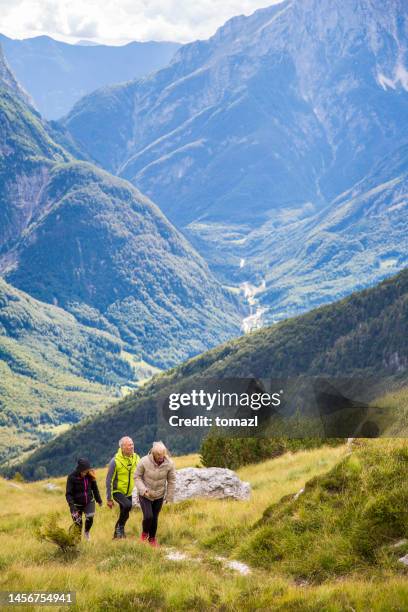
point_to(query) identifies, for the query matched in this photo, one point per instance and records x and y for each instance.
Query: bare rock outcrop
(215, 483)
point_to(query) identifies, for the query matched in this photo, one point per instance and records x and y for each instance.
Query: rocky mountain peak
(8, 80)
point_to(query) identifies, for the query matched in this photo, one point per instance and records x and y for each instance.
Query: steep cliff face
(351, 60)
(26, 155)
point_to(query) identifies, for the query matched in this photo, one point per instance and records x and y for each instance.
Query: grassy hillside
(346, 521)
(362, 335)
(130, 576)
(36, 410)
(54, 371)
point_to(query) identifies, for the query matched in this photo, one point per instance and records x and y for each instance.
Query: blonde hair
(159, 447)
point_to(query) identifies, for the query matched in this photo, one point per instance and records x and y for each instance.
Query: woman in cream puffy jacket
(155, 480)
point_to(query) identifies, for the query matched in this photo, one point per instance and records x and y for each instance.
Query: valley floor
(185, 573)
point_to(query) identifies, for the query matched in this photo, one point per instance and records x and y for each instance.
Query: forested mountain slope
(363, 335)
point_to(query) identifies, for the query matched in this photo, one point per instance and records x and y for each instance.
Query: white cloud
(120, 21)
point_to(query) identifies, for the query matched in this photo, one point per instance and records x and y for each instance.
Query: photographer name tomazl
(204, 421)
(207, 401)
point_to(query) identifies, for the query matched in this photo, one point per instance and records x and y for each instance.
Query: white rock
(299, 493)
(215, 483)
(218, 483)
(404, 559)
(237, 566)
(176, 555)
(50, 486)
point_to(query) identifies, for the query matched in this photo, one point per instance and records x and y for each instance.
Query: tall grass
(127, 575)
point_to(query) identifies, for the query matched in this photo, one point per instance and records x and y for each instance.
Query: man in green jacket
(119, 482)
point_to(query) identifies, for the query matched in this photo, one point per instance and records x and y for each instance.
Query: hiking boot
(87, 536)
(153, 542)
(117, 534)
(144, 537)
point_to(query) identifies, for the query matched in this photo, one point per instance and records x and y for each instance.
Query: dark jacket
(80, 491)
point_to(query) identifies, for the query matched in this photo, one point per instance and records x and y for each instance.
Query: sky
(120, 21)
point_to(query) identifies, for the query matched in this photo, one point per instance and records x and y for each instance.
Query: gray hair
(122, 440)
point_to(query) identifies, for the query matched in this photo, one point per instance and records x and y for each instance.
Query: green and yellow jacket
(120, 474)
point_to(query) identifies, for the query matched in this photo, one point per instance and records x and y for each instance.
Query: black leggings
(125, 505)
(151, 510)
(89, 511)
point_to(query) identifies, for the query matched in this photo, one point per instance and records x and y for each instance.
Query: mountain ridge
(57, 73)
(359, 337)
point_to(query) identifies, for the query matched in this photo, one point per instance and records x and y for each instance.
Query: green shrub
(50, 531)
(40, 473)
(219, 451)
(232, 453)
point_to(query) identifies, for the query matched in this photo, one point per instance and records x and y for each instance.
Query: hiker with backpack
(155, 480)
(119, 483)
(81, 494)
